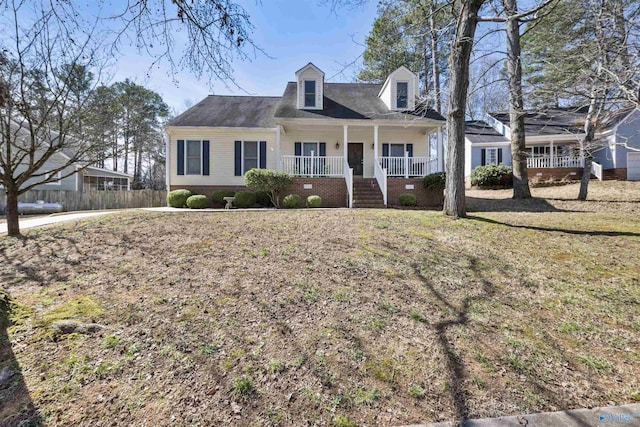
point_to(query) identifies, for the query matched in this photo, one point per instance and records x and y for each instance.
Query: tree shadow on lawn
(534, 204)
(457, 371)
(557, 230)
(16, 406)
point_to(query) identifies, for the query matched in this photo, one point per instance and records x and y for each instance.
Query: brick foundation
(425, 198)
(333, 191)
(619, 174)
(555, 174)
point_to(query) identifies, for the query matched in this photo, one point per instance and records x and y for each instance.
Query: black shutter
(180, 157)
(263, 155)
(323, 149)
(238, 158)
(298, 148)
(410, 149)
(499, 155)
(205, 157)
(385, 150)
(483, 160)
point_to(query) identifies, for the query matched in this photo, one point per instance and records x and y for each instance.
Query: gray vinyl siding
(476, 155)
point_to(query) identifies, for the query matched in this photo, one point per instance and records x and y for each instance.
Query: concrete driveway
(26, 222)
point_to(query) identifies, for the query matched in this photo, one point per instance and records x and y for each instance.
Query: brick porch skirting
(425, 198)
(555, 174)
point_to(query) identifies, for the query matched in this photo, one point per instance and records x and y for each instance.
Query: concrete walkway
(614, 416)
(26, 222)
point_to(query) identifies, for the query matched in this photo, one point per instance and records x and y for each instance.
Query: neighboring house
(553, 141)
(619, 156)
(354, 144)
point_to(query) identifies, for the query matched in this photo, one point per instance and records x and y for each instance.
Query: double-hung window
(250, 157)
(491, 156)
(194, 157)
(402, 94)
(310, 93)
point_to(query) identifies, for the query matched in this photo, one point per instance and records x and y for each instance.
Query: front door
(355, 156)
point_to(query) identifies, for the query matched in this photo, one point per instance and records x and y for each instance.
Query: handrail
(348, 178)
(313, 166)
(596, 169)
(381, 176)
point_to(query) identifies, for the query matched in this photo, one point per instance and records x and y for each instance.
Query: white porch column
(440, 150)
(345, 138)
(406, 165)
(278, 154)
(553, 156)
(375, 143)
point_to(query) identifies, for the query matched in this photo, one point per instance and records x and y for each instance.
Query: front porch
(357, 151)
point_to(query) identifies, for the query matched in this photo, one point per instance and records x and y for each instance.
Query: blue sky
(291, 32)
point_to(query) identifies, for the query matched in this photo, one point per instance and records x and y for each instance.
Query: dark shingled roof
(556, 121)
(479, 131)
(230, 111)
(357, 101)
(615, 117)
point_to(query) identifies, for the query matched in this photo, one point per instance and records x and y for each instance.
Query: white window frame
(56, 182)
(186, 156)
(487, 160)
(316, 151)
(406, 107)
(242, 156)
(546, 151)
(304, 93)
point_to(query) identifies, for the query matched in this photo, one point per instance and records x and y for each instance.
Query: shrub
(291, 201)
(178, 198)
(218, 196)
(314, 201)
(263, 199)
(244, 199)
(198, 201)
(435, 181)
(267, 180)
(408, 200)
(492, 176)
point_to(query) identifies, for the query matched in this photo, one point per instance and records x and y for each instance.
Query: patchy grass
(361, 317)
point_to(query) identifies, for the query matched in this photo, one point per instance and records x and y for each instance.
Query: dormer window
(310, 93)
(402, 95)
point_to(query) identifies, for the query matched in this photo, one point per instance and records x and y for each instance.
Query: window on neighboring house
(194, 157)
(540, 151)
(402, 95)
(491, 156)
(250, 158)
(309, 93)
(55, 175)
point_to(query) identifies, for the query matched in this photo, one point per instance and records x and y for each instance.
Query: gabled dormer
(400, 90)
(310, 81)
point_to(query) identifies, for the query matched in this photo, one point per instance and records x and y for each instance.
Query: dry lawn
(330, 317)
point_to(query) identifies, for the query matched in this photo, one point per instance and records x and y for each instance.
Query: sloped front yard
(334, 317)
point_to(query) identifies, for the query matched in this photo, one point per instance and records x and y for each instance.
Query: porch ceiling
(313, 125)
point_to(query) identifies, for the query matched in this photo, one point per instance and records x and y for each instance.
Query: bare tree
(40, 103)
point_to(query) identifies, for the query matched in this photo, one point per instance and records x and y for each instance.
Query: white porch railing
(407, 166)
(596, 170)
(348, 178)
(313, 166)
(555, 162)
(381, 176)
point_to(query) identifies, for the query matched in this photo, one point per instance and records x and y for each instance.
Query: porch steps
(367, 194)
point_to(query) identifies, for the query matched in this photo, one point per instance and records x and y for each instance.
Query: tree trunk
(516, 104)
(435, 58)
(586, 176)
(454, 199)
(11, 212)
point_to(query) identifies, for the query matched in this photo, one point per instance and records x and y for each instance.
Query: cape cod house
(553, 140)
(353, 144)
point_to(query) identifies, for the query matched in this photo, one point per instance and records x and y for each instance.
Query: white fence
(313, 166)
(94, 200)
(555, 162)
